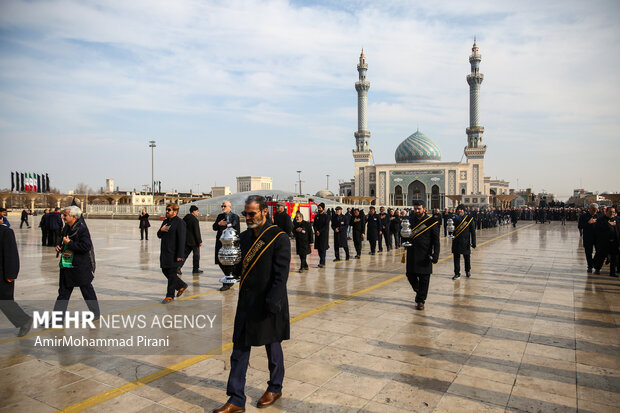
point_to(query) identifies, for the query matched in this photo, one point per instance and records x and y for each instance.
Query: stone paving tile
(530, 331)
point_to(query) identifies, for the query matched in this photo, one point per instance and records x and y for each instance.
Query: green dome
(417, 148)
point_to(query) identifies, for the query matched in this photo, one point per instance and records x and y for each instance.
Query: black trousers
(24, 221)
(396, 235)
(457, 263)
(388, 240)
(322, 255)
(357, 243)
(588, 247)
(174, 282)
(53, 237)
(304, 263)
(65, 288)
(239, 360)
(419, 283)
(195, 258)
(9, 307)
(337, 250)
(44, 237)
(373, 245)
(144, 232)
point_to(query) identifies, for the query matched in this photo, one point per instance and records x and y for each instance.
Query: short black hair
(260, 200)
(193, 208)
(418, 203)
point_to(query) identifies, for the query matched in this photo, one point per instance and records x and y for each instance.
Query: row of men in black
(600, 231)
(51, 224)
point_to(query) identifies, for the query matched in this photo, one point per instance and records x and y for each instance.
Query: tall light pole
(327, 187)
(152, 146)
(299, 174)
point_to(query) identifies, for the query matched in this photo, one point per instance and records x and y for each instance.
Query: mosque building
(419, 173)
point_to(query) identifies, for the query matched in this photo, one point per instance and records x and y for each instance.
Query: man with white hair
(77, 262)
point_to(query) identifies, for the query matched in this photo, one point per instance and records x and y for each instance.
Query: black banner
(12, 181)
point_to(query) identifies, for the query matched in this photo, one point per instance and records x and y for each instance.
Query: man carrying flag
(464, 236)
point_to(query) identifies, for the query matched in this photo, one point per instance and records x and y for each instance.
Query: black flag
(17, 181)
(47, 183)
(22, 183)
(12, 181)
(39, 189)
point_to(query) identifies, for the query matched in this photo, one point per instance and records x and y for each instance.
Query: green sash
(264, 240)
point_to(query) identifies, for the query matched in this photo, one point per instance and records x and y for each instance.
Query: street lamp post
(152, 146)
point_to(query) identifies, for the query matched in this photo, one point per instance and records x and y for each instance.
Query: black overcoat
(283, 220)
(82, 246)
(394, 223)
(385, 224)
(373, 225)
(9, 262)
(54, 221)
(232, 219)
(605, 235)
(172, 243)
(358, 225)
(144, 221)
(193, 238)
(588, 232)
(303, 238)
(340, 237)
(262, 315)
(424, 249)
(467, 238)
(321, 224)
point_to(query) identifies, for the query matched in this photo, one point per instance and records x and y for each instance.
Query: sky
(242, 87)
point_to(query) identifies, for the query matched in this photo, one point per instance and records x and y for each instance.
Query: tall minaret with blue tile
(362, 153)
(475, 150)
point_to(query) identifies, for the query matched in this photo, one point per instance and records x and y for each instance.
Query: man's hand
(298, 229)
(434, 260)
(363, 236)
(592, 221)
(66, 240)
(179, 259)
(222, 223)
(318, 233)
(58, 248)
(337, 230)
(200, 244)
(165, 228)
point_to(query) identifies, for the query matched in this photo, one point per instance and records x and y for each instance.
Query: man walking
(193, 241)
(282, 219)
(586, 225)
(172, 234)
(24, 219)
(373, 229)
(423, 252)
(321, 233)
(262, 317)
(44, 227)
(358, 226)
(9, 268)
(339, 225)
(464, 237)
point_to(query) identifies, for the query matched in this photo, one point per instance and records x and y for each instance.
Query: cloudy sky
(232, 88)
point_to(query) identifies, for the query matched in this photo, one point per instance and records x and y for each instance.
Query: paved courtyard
(530, 331)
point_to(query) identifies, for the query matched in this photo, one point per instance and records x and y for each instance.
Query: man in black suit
(339, 226)
(373, 229)
(262, 317)
(321, 233)
(227, 217)
(606, 240)
(172, 234)
(9, 268)
(423, 252)
(193, 241)
(586, 225)
(282, 219)
(464, 239)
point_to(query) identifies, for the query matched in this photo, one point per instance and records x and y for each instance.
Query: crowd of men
(600, 234)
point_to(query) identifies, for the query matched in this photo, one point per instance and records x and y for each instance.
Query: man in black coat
(358, 227)
(9, 268)
(464, 238)
(144, 224)
(227, 217)
(44, 227)
(514, 216)
(586, 224)
(385, 230)
(54, 225)
(172, 234)
(373, 229)
(423, 252)
(606, 241)
(339, 226)
(303, 240)
(282, 219)
(394, 217)
(24, 219)
(321, 233)
(193, 241)
(77, 262)
(262, 317)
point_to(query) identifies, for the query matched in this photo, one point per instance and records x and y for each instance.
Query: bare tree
(82, 188)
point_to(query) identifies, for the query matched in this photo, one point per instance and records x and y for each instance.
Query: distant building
(582, 198)
(220, 191)
(253, 183)
(109, 185)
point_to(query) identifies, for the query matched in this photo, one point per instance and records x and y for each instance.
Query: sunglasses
(168, 209)
(249, 214)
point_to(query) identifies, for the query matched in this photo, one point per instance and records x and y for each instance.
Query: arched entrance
(435, 197)
(398, 195)
(416, 192)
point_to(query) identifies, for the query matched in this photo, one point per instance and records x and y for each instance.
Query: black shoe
(589, 270)
(347, 259)
(357, 257)
(300, 270)
(181, 290)
(225, 287)
(467, 274)
(456, 276)
(197, 271)
(337, 259)
(597, 272)
(306, 268)
(372, 253)
(320, 266)
(380, 250)
(25, 328)
(167, 300)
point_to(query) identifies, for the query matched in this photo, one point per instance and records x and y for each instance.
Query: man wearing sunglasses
(262, 317)
(220, 224)
(172, 234)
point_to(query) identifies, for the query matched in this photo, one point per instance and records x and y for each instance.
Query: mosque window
(463, 175)
(372, 176)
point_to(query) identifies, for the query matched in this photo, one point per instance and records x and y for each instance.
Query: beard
(419, 214)
(256, 222)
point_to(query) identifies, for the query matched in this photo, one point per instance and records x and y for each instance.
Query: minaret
(475, 148)
(362, 153)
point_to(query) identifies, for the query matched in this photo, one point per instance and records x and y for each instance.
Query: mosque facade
(419, 172)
